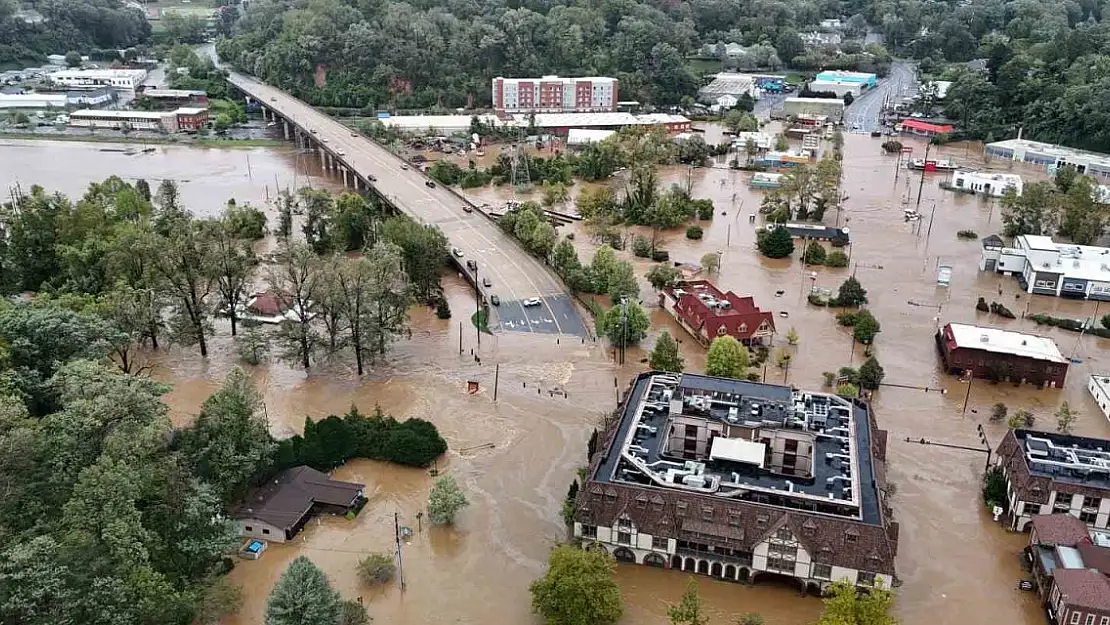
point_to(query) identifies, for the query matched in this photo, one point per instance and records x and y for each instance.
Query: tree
(424, 251)
(851, 294)
(775, 243)
(302, 596)
(376, 568)
(693, 151)
(622, 282)
(578, 588)
(836, 258)
(789, 45)
(711, 262)
(232, 262)
(555, 193)
(352, 613)
(871, 374)
(727, 358)
(662, 275)
(865, 328)
(792, 336)
(183, 261)
(688, 611)
(445, 500)
(665, 355)
(73, 58)
(815, 254)
(751, 618)
(624, 328)
(1065, 417)
(844, 605)
(229, 445)
(1032, 212)
(1021, 418)
(388, 295)
(296, 281)
(999, 412)
(740, 121)
(849, 98)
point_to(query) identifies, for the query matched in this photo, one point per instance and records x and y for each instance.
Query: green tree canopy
(665, 355)
(445, 501)
(578, 588)
(302, 596)
(727, 358)
(624, 328)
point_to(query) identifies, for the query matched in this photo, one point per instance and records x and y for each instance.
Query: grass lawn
(704, 66)
(795, 78)
(480, 319)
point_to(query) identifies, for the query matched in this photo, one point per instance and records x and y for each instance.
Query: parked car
(496, 301)
(531, 301)
(429, 184)
(371, 177)
(341, 152)
(403, 166)
(313, 131)
(354, 134)
(457, 252)
(487, 282)
(467, 209)
(472, 265)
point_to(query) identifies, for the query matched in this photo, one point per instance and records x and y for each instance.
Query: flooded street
(516, 456)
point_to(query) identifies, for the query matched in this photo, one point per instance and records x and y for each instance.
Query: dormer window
(761, 520)
(680, 508)
(707, 513)
(734, 518)
(641, 501)
(851, 536)
(722, 330)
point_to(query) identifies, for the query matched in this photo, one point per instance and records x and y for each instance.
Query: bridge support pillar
(264, 113)
(323, 159)
(285, 126)
(345, 184)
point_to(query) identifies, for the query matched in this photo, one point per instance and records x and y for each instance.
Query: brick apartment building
(1001, 355)
(554, 94)
(1070, 562)
(706, 313)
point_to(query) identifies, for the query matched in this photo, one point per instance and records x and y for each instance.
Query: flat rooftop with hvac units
(738, 479)
(1001, 355)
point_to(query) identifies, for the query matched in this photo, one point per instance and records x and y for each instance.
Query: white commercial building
(1099, 388)
(122, 79)
(555, 93)
(985, 182)
(833, 108)
(136, 120)
(730, 84)
(762, 140)
(836, 86)
(1052, 157)
(584, 136)
(1045, 267)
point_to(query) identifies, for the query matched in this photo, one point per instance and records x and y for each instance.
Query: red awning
(916, 124)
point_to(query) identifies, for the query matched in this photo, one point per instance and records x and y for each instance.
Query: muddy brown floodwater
(516, 456)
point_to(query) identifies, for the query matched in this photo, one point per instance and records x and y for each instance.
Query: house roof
(701, 302)
(267, 303)
(286, 499)
(1060, 529)
(1094, 556)
(917, 124)
(999, 341)
(1083, 588)
(993, 240)
(739, 525)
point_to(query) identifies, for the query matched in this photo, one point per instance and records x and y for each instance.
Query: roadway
(514, 274)
(866, 110)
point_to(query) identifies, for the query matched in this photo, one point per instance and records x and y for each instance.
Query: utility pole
(477, 306)
(970, 378)
(624, 327)
(496, 377)
(921, 185)
(400, 563)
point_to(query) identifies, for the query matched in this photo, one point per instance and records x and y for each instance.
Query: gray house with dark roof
(279, 509)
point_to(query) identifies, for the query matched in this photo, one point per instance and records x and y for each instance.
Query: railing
(713, 555)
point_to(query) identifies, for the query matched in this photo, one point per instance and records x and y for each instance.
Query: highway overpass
(514, 275)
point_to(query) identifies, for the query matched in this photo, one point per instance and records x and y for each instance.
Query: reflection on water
(514, 457)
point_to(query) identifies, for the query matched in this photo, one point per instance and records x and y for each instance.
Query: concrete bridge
(513, 274)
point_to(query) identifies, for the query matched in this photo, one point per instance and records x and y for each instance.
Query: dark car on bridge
(429, 184)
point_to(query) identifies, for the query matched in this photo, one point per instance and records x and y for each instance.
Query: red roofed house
(923, 129)
(706, 313)
(1070, 562)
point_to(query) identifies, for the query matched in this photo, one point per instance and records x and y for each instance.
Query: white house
(987, 183)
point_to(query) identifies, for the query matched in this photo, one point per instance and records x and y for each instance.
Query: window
(761, 520)
(707, 513)
(1104, 620)
(850, 536)
(265, 531)
(734, 519)
(1090, 619)
(1032, 508)
(780, 565)
(1092, 502)
(248, 528)
(1075, 618)
(1088, 517)
(785, 551)
(660, 542)
(589, 531)
(624, 538)
(864, 578)
(624, 523)
(641, 502)
(822, 571)
(680, 508)
(784, 533)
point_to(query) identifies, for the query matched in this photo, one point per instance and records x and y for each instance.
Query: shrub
(641, 246)
(828, 378)
(443, 309)
(967, 234)
(892, 147)
(775, 243)
(815, 254)
(836, 258)
(847, 390)
(694, 232)
(704, 209)
(994, 487)
(660, 256)
(333, 440)
(1001, 310)
(816, 300)
(376, 568)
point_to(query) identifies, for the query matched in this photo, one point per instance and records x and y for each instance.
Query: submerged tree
(303, 596)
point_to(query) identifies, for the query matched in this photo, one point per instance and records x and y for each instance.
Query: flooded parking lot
(516, 456)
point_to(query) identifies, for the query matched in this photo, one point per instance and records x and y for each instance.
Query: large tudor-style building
(738, 480)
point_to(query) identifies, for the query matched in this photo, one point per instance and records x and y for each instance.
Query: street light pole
(477, 306)
(970, 378)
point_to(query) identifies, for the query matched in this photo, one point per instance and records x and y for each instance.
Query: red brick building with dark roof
(706, 313)
(1070, 562)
